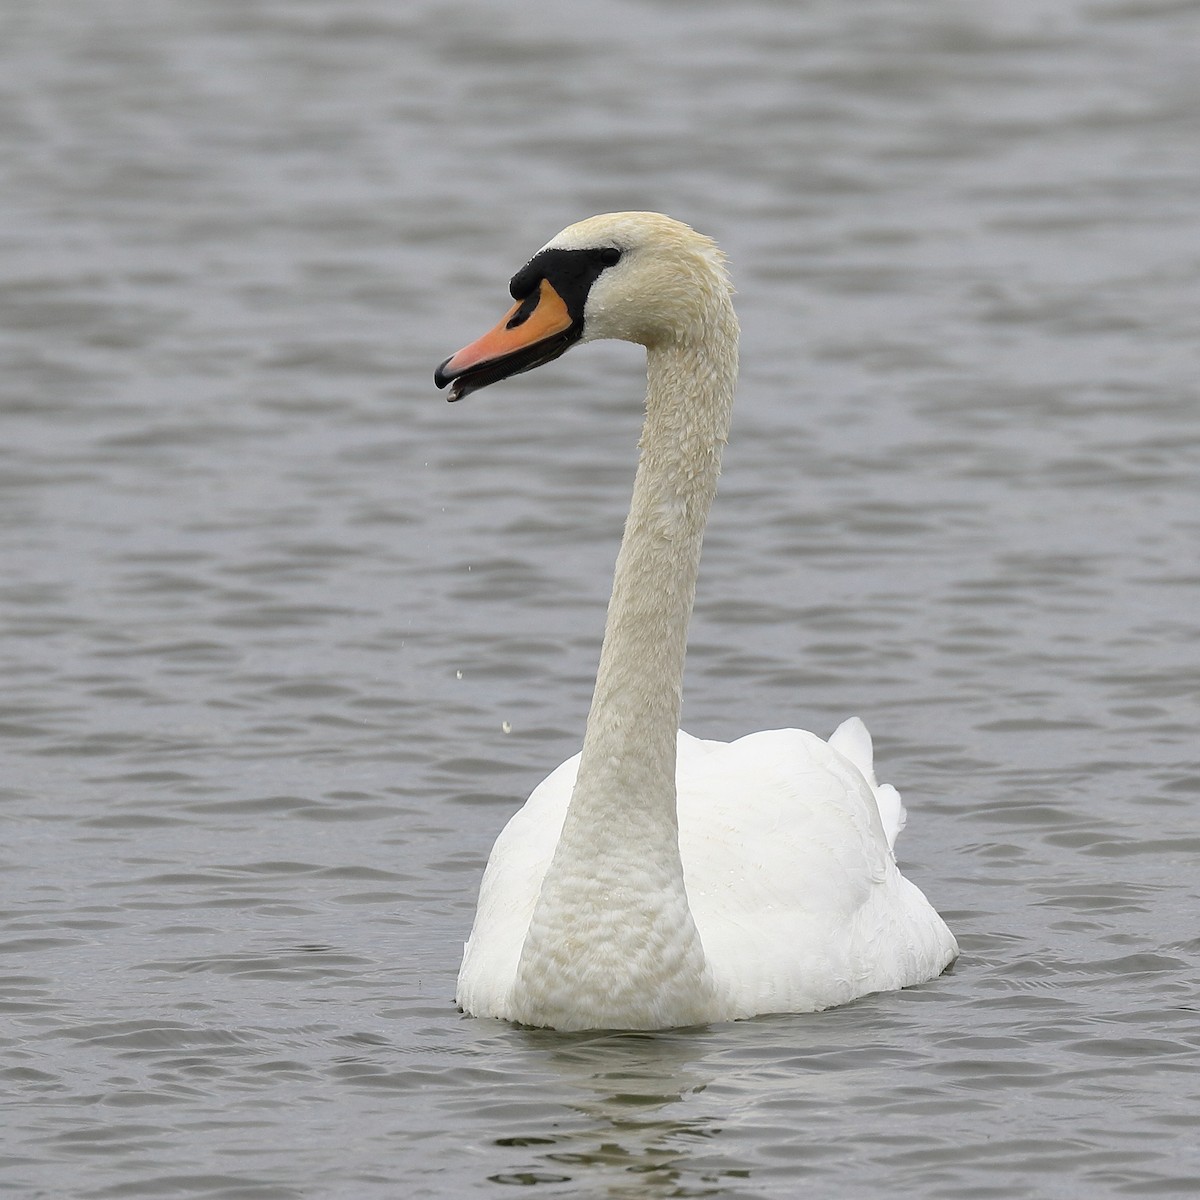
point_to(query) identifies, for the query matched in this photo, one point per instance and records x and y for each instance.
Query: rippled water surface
(286, 638)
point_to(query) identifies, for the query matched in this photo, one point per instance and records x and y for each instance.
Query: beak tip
(523, 340)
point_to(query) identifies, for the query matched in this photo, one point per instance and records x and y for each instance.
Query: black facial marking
(571, 274)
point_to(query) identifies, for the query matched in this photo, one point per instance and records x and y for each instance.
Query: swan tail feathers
(852, 739)
(891, 812)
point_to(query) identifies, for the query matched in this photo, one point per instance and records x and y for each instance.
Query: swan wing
(791, 877)
(508, 893)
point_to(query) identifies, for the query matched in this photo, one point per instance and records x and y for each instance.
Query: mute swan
(656, 880)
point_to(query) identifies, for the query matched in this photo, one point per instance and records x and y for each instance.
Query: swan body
(656, 880)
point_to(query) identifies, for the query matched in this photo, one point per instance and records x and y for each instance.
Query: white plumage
(657, 880)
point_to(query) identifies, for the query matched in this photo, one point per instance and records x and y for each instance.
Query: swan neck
(629, 743)
(612, 942)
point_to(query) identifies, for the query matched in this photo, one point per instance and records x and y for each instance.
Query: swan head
(635, 276)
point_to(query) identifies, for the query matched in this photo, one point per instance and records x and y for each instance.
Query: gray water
(286, 638)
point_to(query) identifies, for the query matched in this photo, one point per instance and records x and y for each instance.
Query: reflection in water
(629, 1142)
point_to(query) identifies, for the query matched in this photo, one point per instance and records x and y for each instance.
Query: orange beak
(534, 331)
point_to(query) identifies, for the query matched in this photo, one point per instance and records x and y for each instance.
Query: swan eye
(609, 256)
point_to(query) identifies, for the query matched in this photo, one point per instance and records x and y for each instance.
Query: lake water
(286, 638)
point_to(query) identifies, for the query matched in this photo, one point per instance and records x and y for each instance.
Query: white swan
(656, 880)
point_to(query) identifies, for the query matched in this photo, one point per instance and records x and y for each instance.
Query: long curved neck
(611, 942)
(628, 764)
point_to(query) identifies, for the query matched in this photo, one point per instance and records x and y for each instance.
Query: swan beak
(534, 331)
